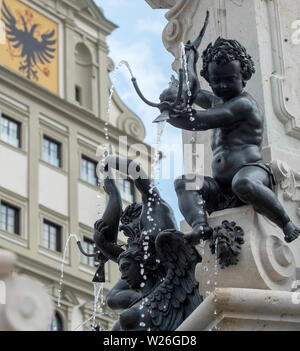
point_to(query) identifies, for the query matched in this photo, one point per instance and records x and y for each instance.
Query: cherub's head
(227, 67)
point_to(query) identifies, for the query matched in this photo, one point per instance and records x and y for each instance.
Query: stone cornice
(161, 4)
(82, 116)
(51, 273)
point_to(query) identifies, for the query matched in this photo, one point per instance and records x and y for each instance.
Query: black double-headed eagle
(33, 51)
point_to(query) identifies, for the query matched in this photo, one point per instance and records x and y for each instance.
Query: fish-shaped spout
(172, 96)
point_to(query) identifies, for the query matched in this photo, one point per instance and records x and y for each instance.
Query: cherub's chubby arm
(121, 296)
(205, 99)
(222, 116)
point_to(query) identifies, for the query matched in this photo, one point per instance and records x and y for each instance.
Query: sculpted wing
(177, 295)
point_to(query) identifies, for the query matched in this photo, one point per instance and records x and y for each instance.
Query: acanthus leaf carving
(180, 19)
(288, 180)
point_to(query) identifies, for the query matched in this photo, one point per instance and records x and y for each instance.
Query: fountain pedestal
(261, 291)
(246, 310)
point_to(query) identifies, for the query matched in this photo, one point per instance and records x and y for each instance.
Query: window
(56, 323)
(51, 152)
(88, 170)
(88, 247)
(126, 189)
(10, 217)
(78, 93)
(10, 131)
(51, 236)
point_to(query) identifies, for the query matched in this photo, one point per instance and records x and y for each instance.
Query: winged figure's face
(130, 271)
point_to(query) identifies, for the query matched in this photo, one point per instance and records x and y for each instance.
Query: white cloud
(149, 25)
(151, 80)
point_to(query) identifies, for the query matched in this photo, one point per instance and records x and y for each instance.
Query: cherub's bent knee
(243, 186)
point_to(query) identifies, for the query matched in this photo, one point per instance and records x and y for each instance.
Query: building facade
(54, 90)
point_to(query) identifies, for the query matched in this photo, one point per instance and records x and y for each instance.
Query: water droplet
(205, 268)
(208, 282)
(142, 284)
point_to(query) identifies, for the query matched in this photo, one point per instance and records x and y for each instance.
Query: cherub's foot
(199, 232)
(291, 232)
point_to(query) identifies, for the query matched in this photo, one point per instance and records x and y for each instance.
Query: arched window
(56, 324)
(84, 76)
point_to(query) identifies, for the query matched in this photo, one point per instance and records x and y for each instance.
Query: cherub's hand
(181, 112)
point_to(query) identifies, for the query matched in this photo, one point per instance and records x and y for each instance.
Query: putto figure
(239, 174)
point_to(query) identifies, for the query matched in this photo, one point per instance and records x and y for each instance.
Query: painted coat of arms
(31, 43)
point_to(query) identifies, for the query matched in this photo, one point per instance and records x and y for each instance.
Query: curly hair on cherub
(224, 51)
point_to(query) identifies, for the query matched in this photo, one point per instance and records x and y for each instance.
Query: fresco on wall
(29, 44)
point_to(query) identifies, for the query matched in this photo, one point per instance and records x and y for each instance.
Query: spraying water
(183, 60)
(62, 267)
(98, 287)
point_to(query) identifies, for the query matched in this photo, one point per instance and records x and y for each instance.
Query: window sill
(14, 238)
(21, 150)
(92, 186)
(54, 168)
(54, 255)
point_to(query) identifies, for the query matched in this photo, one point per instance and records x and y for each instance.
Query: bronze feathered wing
(32, 50)
(177, 296)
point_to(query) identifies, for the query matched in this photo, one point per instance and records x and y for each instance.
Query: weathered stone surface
(233, 309)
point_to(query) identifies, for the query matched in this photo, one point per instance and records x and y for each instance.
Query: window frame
(17, 218)
(57, 316)
(86, 260)
(59, 148)
(18, 132)
(78, 92)
(88, 159)
(59, 242)
(132, 187)
(51, 129)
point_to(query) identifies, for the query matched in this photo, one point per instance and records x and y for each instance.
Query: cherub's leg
(252, 185)
(192, 206)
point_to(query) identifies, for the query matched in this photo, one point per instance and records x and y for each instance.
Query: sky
(138, 40)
